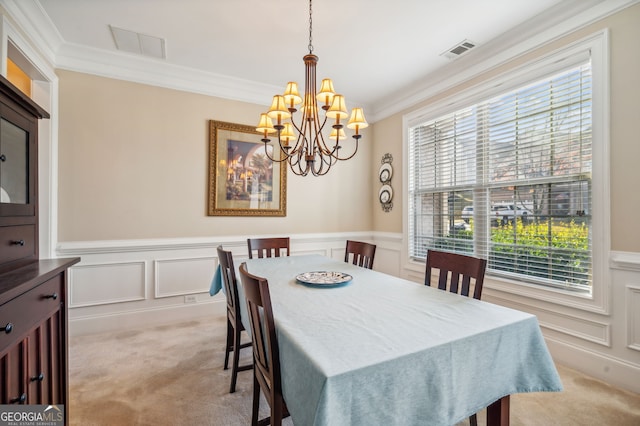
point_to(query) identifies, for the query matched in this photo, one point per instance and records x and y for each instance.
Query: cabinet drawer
(17, 242)
(30, 308)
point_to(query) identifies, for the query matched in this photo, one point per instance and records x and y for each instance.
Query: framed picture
(243, 180)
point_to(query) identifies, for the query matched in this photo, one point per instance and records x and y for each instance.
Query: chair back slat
(443, 279)
(260, 355)
(455, 281)
(268, 247)
(360, 253)
(466, 284)
(469, 269)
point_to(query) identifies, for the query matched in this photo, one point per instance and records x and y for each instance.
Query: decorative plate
(385, 173)
(324, 278)
(386, 194)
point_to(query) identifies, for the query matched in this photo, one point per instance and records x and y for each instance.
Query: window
(508, 176)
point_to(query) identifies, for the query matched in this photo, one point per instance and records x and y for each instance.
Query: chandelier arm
(324, 160)
(326, 154)
(298, 164)
(332, 152)
(299, 141)
(296, 157)
(322, 145)
(331, 160)
(321, 170)
(284, 152)
(266, 151)
(349, 157)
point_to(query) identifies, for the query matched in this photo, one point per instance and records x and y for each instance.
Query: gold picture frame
(243, 181)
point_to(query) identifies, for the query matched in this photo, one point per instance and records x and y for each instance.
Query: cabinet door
(45, 379)
(17, 163)
(30, 371)
(13, 373)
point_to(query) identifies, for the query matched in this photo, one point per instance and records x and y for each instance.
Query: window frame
(547, 64)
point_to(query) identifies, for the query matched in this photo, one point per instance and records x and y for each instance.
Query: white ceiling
(372, 49)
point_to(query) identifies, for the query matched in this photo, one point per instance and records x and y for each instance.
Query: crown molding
(156, 72)
(32, 20)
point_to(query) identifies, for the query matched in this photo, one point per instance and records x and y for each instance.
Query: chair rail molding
(625, 260)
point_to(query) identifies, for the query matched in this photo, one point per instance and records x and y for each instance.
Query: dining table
(370, 348)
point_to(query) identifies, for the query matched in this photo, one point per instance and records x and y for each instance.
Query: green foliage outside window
(555, 250)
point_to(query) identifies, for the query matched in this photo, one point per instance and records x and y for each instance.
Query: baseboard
(606, 368)
(114, 321)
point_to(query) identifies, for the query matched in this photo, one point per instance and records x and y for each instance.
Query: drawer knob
(38, 378)
(22, 398)
(17, 242)
(53, 296)
(8, 328)
(3, 158)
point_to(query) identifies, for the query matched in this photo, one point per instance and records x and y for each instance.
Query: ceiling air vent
(142, 44)
(459, 49)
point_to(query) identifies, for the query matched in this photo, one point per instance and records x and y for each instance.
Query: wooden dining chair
(234, 324)
(266, 355)
(359, 253)
(456, 272)
(268, 247)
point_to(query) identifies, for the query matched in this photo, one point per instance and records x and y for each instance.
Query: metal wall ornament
(385, 173)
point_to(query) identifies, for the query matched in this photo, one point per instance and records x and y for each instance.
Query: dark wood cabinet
(33, 333)
(19, 117)
(33, 291)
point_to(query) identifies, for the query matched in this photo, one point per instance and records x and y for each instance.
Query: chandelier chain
(310, 28)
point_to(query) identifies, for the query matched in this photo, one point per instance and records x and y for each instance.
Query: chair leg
(236, 359)
(256, 401)
(277, 411)
(473, 420)
(229, 344)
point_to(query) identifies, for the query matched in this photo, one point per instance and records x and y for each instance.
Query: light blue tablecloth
(386, 351)
(216, 282)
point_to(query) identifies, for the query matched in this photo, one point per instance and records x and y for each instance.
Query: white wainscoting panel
(572, 325)
(101, 284)
(175, 277)
(601, 365)
(387, 261)
(633, 317)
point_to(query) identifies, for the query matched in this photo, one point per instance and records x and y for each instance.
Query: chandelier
(305, 145)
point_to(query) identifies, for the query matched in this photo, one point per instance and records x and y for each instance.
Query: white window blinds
(509, 179)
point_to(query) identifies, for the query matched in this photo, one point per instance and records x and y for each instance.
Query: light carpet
(173, 375)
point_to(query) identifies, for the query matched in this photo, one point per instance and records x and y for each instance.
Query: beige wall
(133, 164)
(624, 34)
